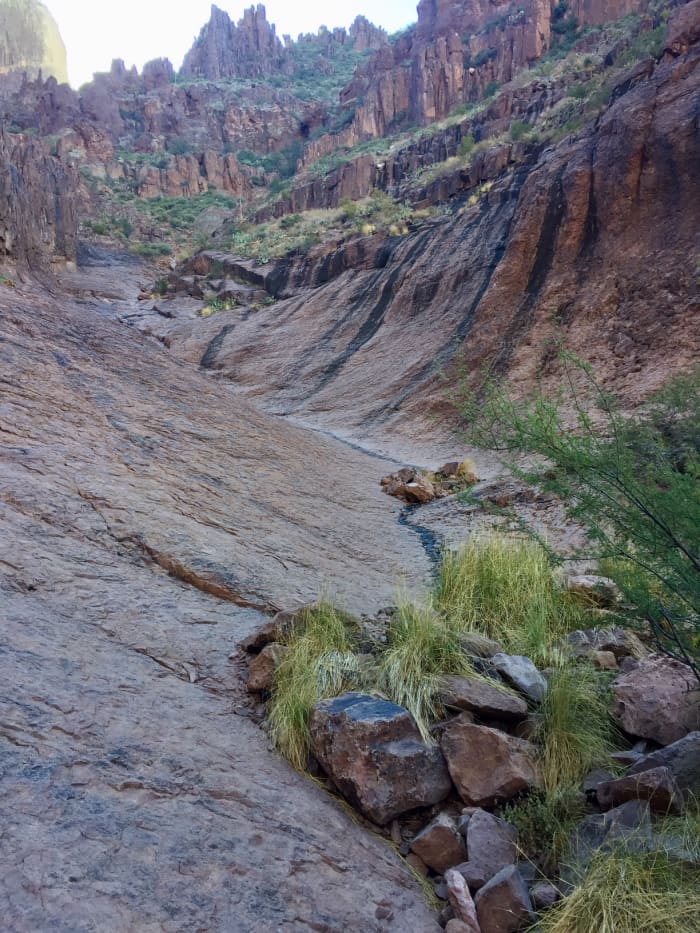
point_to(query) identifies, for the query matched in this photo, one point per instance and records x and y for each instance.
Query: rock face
(141, 507)
(658, 700)
(362, 342)
(224, 50)
(373, 752)
(30, 41)
(38, 210)
(487, 766)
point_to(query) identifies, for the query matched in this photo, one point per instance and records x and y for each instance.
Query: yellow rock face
(30, 40)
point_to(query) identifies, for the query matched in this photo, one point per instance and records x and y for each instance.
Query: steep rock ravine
(146, 515)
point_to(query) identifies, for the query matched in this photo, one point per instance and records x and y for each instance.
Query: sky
(138, 30)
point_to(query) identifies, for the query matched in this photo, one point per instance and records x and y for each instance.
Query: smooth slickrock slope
(136, 794)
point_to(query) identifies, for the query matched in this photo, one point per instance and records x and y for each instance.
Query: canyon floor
(150, 517)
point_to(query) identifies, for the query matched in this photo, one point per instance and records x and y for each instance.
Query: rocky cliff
(30, 40)
(590, 243)
(38, 204)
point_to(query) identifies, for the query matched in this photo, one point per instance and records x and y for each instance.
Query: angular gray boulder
(491, 845)
(374, 754)
(520, 673)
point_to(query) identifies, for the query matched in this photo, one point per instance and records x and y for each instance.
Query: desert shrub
(518, 129)
(545, 822)
(632, 482)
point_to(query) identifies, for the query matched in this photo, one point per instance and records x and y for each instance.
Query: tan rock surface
(136, 792)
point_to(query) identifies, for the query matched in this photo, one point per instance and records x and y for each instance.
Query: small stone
(544, 895)
(440, 845)
(622, 642)
(263, 667)
(417, 864)
(604, 660)
(487, 766)
(657, 786)
(478, 645)
(522, 675)
(503, 905)
(459, 926)
(479, 696)
(461, 901)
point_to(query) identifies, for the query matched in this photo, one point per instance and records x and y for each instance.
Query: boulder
(630, 821)
(544, 895)
(374, 754)
(478, 645)
(503, 905)
(522, 675)
(657, 786)
(622, 642)
(658, 700)
(459, 926)
(491, 845)
(604, 660)
(487, 766)
(460, 899)
(263, 667)
(440, 844)
(479, 696)
(594, 590)
(682, 758)
(410, 485)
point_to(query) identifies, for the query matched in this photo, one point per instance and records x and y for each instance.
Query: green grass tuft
(575, 730)
(422, 647)
(627, 891)
(506, 589)
(320, 662)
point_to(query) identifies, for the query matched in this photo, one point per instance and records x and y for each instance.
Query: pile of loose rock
(420, 486)
(435, 800)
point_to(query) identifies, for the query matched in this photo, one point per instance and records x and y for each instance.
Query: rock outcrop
(38, 209)
(30, 41)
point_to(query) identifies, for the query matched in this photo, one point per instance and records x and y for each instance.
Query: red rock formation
(38, 216)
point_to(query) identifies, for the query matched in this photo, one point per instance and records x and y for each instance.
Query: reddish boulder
(440, 845)
(479, 696)
(682, 758)
(487, 766)
(503, 905)
(657, 786)
(263, 667)
(374, 754)
(657, 700)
